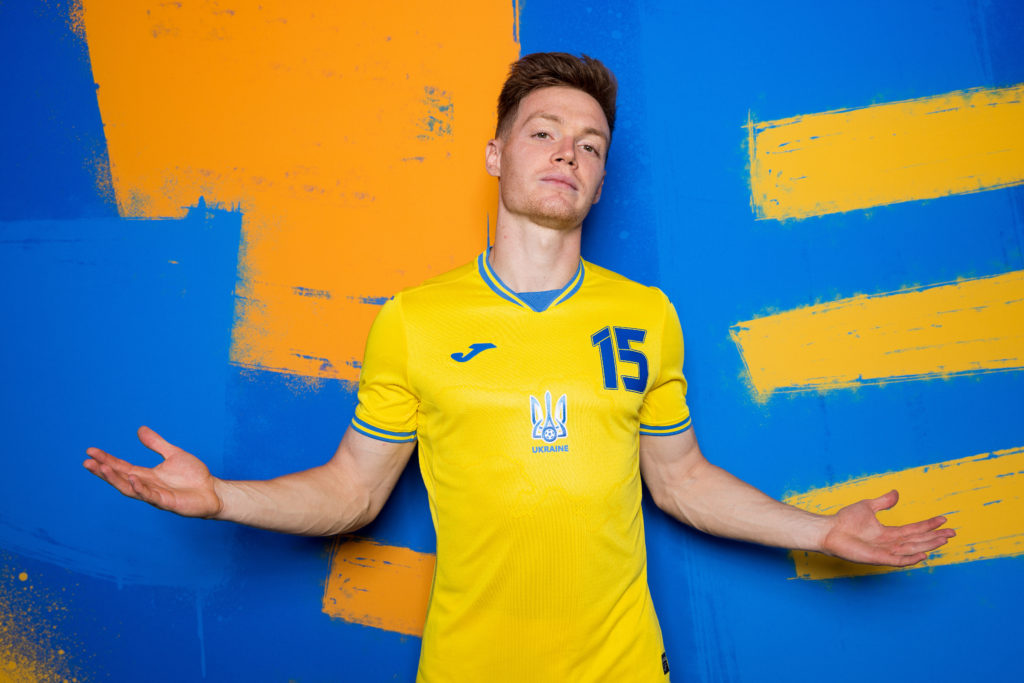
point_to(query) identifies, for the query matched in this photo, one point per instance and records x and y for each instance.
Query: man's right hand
(340, 496)
(181, 483)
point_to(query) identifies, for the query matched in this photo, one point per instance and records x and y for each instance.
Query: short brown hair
(548, 69)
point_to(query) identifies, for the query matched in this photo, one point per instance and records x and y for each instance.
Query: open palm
(180, 484)
(858, 536)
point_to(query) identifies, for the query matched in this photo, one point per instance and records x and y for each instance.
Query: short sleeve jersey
(528, 425)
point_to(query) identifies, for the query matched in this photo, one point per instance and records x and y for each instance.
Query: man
(539, 388)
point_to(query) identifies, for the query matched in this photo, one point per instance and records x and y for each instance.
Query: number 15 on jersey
(615, 346)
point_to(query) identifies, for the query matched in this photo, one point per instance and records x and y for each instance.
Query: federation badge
(548, 425)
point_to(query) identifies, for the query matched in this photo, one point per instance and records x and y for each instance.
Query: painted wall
(203, 204)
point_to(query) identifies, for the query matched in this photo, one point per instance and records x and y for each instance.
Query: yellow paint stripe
(981, 495)
(963, 141)
(966, 327)
(383, 586)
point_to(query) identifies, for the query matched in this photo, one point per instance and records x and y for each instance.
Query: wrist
(824, 526)
(222, 492)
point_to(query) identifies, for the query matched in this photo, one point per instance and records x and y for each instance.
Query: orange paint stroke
(383, 586)
(351, 135)
(956, 143)
(982, 496)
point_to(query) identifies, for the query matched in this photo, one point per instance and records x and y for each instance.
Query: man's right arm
(341, 495)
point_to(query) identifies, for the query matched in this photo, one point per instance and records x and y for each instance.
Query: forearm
(314, 502)
(712, 500)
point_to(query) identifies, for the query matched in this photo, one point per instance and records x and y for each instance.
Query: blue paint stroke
(120, 323)
(55, 154)
(372, 300)
(312, 293)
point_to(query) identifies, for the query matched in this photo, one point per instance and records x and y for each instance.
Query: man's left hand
(857, 535)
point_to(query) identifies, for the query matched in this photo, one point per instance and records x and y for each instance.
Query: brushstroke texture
(383, 586)
(304, 117)
(967, 327)
(981, 495)
(956, 143)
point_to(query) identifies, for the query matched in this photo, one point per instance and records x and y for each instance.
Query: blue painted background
(110, 323)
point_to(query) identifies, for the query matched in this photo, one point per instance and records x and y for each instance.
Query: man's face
(551, 162)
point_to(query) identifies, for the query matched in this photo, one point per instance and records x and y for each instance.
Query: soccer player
(540, 389)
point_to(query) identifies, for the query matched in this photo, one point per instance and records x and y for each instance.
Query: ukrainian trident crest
(548, 424)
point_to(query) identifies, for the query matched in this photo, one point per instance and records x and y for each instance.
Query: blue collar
(505, 292)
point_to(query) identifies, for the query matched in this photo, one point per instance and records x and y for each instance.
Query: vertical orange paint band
(351, 135)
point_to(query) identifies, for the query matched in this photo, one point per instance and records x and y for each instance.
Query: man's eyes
(586, 147)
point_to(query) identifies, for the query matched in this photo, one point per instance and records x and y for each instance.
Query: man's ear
(597, 195)
(492, 157)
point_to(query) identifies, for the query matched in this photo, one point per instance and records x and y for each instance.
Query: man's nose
(566, 155)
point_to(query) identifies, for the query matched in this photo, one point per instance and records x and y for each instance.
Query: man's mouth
(560, 180)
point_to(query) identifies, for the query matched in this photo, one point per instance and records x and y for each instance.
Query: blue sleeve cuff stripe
(667, 430)
(382, 434)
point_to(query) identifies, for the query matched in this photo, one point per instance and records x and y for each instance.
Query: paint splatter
(440, 114)
(33, 645)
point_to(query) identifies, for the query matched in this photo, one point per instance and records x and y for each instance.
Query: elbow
(669, 501)
(356, 510)
(663, 499)
(364, 508)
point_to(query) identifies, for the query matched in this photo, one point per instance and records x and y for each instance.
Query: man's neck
(531, 258)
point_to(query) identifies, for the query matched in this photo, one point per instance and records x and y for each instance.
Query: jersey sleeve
(387, 405)
(664, 410)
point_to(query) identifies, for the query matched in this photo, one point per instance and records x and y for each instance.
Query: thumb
(156, 443)
(885, 501)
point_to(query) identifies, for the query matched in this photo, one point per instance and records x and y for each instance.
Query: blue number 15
(614, 342)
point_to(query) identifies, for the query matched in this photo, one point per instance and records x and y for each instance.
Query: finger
(905, 560)
(885, 501)
(938, 533)
(156, 443)
(924, 526)
(139, 485)
(113, 477)
(144, 491)
(104, 458)
(921, 546)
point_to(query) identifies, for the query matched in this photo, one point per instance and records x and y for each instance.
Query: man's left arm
(685, 485)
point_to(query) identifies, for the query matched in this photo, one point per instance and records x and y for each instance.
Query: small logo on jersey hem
(474, 349)
(664, 663)
(548, 424)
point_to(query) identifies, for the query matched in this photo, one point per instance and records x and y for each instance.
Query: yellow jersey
(528, 425)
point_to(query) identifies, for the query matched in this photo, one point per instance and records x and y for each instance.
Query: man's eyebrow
(558, 119)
